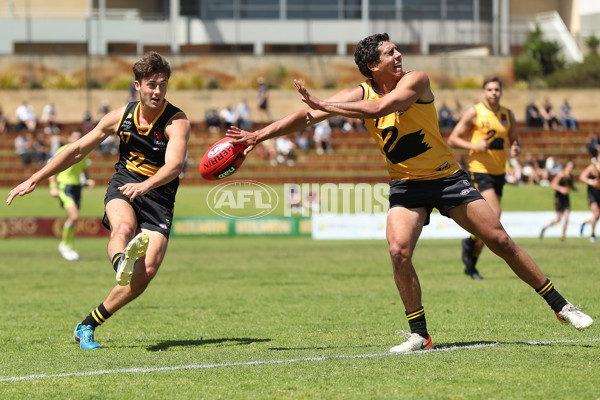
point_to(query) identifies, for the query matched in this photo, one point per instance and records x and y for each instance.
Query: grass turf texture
(233, 311)
(285, 299)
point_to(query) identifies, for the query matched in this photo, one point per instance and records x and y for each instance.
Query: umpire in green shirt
(66, 185)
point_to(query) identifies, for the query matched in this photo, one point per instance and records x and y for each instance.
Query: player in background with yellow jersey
(487, 129)
(66, 185)
(398, 109)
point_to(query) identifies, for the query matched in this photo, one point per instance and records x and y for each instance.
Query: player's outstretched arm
(291, 123)
(412, 87)
(72, 154)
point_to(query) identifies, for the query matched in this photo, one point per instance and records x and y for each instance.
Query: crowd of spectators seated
(546, 118)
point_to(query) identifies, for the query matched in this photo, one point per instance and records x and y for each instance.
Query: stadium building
(108, 27)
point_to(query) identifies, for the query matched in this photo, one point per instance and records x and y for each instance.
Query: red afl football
(222, 159)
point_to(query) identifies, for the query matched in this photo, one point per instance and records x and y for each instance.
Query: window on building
(312, 9)
(424, 9)
(459, 10)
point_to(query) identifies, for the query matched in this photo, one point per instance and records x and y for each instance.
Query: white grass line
(290, 361)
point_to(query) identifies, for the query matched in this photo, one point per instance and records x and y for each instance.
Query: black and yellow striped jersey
(142, 148)
(411, 141)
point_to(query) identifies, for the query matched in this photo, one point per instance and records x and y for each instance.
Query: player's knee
(399, 252)
(125, 230)
(501, 243)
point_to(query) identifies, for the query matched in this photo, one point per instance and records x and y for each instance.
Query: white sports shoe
(68, 253)
(134, 250)
(413, 342)
(573, 315)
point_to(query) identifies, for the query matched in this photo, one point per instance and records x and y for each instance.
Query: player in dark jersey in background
(141, 194)
(486, 130)
(591, 177)
(562, 184)
(398, 110)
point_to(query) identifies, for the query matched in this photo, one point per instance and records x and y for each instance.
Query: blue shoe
(84, 334)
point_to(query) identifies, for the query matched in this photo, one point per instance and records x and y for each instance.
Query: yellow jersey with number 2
(411, 141)
(493, 127)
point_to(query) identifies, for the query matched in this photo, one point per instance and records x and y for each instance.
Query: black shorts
(69, 194)
(150, 214)
(593, 195)
(485, 182)
(443, 194)
(561, 201)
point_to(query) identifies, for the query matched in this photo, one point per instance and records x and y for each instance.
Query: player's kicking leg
(134, 250)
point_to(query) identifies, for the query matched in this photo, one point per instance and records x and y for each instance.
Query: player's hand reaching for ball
(239, 136)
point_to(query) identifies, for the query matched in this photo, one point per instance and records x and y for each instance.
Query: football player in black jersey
(141, 194)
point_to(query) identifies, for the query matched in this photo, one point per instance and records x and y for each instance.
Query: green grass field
(292, 318)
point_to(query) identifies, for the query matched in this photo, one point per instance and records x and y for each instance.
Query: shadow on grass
(203, 342)
(483, 343)
(323, 347)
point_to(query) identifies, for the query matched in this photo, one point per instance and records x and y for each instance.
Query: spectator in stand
(212, 119)
(550, 121)
(553, 167)
(529, 170)
(285, 151)
(514, 171)
(131, 92)
(263, 100)
(49, 119)
(445, 118)
(541, 171)
(322, 137)
(303, 140)
(3, 122)
(594, 145)
(533, 118)
(566, 117)
(268, 149)
(24, 147)
(87, 124)
(242, 112)
(457, 111)
(26, 118)
(41, 149)
(227, 117)
(103, 109)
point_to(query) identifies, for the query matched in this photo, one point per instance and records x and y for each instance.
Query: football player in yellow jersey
(141, 194)
(487, 129)
(591, 177)
(420, 182)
